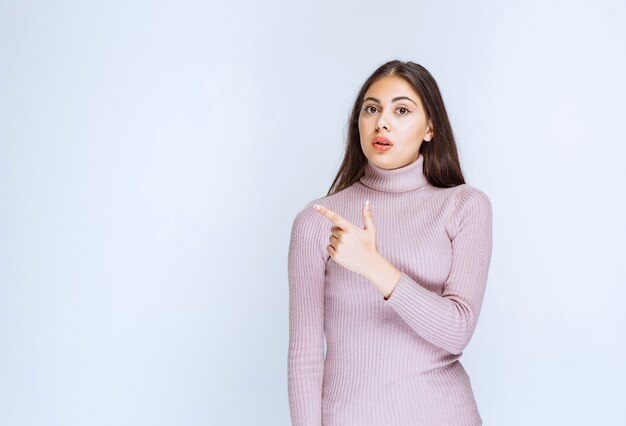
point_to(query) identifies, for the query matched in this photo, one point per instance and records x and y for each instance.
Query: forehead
(389, 87)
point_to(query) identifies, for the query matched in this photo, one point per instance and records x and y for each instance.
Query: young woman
(390, 267)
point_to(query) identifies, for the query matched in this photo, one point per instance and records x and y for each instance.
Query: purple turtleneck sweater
(388, 361)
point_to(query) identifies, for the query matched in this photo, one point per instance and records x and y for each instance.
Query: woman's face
(393, 110)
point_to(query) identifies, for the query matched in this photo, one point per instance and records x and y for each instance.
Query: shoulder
(309, 222)
(310, 229)
(307, 216)
(461, 197)
(471, 206)
(467, 194)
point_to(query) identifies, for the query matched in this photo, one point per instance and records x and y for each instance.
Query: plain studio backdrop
(153, 156)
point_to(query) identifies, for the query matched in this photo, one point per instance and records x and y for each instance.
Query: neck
(402, 179)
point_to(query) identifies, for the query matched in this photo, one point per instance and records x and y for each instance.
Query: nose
(382, 122)
(378, 127)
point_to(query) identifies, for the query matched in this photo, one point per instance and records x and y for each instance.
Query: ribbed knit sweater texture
(388, 361)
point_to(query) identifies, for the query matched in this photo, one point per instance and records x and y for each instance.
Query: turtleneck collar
(402, 179)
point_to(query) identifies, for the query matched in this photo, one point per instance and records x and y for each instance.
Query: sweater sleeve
(306, 270)
(448, 321)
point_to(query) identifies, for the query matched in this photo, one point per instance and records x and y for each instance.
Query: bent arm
(306, 270)
(449, 320)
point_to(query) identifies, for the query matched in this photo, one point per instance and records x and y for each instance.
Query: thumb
(367, 217)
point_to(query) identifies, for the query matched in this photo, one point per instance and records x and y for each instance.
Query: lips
(381, 144)
(380, 140)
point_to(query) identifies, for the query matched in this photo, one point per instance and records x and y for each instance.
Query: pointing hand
(350, 246)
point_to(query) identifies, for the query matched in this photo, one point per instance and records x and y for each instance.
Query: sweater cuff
(406, 294)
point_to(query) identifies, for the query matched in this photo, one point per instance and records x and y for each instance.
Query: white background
(153, 156)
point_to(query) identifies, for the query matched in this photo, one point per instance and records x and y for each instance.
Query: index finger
(334, 217)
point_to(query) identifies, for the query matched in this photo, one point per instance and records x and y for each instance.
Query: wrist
(384, 275)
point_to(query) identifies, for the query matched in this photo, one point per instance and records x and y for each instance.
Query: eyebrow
(397, 98)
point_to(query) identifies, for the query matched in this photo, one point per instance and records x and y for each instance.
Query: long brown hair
(441, 160)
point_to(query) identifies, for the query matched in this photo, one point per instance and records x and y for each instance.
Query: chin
(385, 162)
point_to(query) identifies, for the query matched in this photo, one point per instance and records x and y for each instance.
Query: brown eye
(407, 111)
(366, 109)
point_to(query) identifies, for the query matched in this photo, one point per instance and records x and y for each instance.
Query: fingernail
(367, 203)
(316, 206)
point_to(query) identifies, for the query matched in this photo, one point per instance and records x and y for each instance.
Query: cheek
(413, 128)
(362, 126)
(361, 130)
